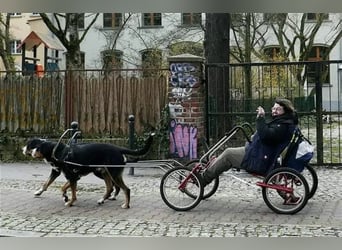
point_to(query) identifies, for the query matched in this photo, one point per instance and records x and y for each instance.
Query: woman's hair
(286, 104)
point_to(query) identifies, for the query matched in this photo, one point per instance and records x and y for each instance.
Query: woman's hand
(260, 112)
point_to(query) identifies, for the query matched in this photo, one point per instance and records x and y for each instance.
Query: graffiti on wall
(183, 140)
(183, 77)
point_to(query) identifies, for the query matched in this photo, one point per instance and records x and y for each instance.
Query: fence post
(131, 138)
(74, 127)
(69, 95)
(319, 113)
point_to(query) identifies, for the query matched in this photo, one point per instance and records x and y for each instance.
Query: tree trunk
(5, 49)
(248, 68)
(216, 47)
(73, 57)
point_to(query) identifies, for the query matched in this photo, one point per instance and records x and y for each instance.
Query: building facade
(136, 40)
(146, 40)
(128, 39)
(21, 25)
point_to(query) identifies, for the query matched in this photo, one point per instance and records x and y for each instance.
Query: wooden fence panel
(30, 104)
(100, 103)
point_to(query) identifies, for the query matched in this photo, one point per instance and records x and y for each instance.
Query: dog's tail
(142, 151)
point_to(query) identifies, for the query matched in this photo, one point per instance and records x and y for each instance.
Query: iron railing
(314, 87)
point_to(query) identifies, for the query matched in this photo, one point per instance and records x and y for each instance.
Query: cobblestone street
(236, 209)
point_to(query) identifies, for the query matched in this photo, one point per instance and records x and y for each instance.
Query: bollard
(131, 139)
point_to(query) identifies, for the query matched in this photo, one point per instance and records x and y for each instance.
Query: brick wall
(187, 104)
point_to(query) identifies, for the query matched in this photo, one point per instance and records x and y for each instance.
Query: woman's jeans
(230, 157)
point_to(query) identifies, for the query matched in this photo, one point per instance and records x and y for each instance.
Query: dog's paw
(65, 198)
(100, 201)
(125, 206)
(68, 204)
(112, 197)
(38, 192)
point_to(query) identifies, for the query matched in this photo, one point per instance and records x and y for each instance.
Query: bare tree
(5, 39)
(294, 35)
(65, 28)
(248, 34)
(295, 32)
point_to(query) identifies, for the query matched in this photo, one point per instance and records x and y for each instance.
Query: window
(191, 19)
(186, 47)
(318, 53)
(152, 19)
(15, 14)
(80, 21)
(151, 60)
(112, 20)
(316, 16)
(14, 47)
(112, 59)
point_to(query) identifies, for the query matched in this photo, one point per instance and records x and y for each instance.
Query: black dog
(78, 160)
(56, 171)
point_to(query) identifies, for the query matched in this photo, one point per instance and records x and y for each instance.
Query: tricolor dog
(106, 161)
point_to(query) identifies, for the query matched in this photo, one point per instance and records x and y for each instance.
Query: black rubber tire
(209, 189)
(289, 177)
(179, 199)
(313, 182)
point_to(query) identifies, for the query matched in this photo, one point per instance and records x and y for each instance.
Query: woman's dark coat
(268, 142)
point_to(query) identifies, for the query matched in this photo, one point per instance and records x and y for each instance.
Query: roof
(36, 39)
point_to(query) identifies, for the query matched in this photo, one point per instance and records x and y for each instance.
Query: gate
(235, 90)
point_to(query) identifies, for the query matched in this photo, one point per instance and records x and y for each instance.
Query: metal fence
(314, 87)
(100, 101)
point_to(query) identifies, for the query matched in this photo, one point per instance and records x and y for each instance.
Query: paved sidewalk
(235, 210)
